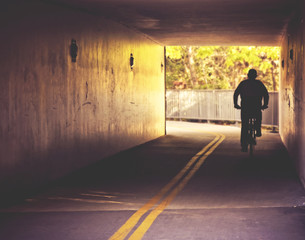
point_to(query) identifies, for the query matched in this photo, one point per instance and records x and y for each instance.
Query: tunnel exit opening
(200, 81)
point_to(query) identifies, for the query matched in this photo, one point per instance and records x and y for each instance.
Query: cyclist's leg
(244, 130)
(258, 123)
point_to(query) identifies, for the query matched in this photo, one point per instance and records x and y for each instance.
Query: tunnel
(84, 80)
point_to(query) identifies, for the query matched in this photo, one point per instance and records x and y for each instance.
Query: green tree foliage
(219, 67)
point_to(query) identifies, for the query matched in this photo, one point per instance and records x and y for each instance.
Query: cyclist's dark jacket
(251, 93)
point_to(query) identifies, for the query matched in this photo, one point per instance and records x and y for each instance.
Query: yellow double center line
(191, 167)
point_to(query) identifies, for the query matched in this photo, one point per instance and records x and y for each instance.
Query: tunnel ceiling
(198, 22)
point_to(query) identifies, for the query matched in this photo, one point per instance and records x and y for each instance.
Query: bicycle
(251, 130)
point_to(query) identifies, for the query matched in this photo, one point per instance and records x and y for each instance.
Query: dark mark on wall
(68, 124)
(86, 90)
(73, 50)
(86, 103)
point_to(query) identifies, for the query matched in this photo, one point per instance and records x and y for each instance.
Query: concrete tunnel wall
(57, 115)
(292, 91)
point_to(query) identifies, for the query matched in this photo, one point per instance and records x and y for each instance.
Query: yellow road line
(145, 225)
(133, 220)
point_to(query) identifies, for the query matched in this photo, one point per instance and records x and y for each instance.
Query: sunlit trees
(220, 67)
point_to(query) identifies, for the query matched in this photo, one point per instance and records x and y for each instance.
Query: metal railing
(213, 105)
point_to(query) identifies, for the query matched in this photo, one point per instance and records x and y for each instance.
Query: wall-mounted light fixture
(131, 61)
(73, 50)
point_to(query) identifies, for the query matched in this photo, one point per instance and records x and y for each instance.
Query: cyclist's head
(252, 74)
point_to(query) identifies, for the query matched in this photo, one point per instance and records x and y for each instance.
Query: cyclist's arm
(235, 96)
(265, 96)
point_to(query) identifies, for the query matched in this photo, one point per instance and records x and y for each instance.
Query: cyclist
(251, 92)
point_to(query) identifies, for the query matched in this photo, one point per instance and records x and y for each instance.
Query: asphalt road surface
(193, 183)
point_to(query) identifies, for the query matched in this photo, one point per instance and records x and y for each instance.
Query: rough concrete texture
(58, 115)
(199, 22)
(292, 102)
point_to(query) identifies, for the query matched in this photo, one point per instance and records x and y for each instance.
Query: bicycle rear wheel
(251, 149)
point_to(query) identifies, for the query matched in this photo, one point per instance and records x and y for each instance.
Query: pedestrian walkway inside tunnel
(193, 183)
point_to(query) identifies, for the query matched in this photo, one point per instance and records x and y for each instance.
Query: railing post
(179, 108)
(273, 100)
